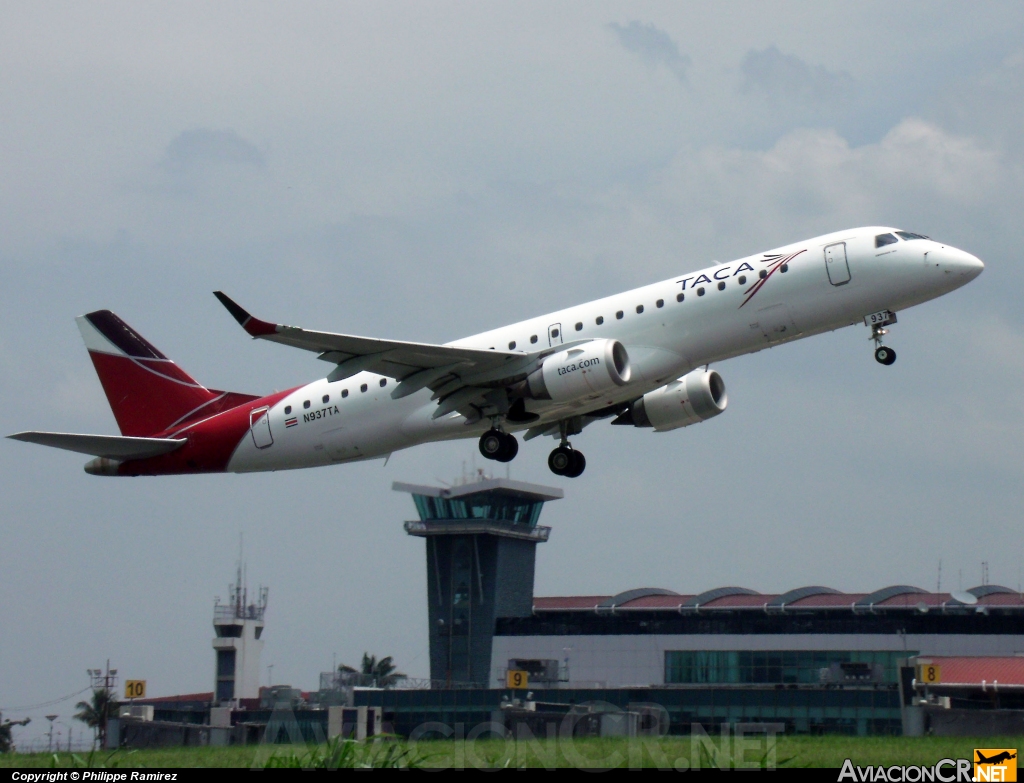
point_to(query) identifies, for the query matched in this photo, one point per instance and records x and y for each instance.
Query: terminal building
(811, 659)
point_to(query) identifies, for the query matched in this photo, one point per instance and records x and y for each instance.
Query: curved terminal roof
(632, 595)
(813, 598)
(711, 595)
(793, 596)
(982, 590)
(886, 593)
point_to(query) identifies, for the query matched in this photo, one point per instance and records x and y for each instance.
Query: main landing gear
(566, 461)
(498, 445)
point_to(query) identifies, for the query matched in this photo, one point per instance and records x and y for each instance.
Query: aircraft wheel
(510, 447)
(492, 444)
(579, 464)
(885, 355)
(561, 461)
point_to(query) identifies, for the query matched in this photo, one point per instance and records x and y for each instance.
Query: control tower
(481, 543)
(239, 626)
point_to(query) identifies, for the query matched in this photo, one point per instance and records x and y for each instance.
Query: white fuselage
(665, 339)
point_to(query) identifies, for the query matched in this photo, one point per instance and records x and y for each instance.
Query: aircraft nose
(966, 265)
(960, 263)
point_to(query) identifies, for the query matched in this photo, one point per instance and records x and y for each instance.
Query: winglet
(254, 326)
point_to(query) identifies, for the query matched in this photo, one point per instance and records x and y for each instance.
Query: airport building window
(287, 409)
(533, 338)
(680, 297)
(885, 239)
(782, 666)
(305, 404)
(512, 345)
(743, 279)
(660, 303)
(763, 274)
(639, 309)
(721, 286)
(362, 388)
(579, 326)
(344, 393)
(383, 382)
(327, 398)
(599, 320)
(619, 315)
(700, 291)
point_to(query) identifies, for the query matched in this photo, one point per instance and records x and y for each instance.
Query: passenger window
(327, 398)
(721, 286)
(344, 393)
(700, 291)
(639, 309)
(660, 303)
(533, 338)
(362, 388)
(579, 326)
(383, 382)
(287, 409)
(680, 297)
(743, 279)
(554, 333)
(305, 404)
(885, 239)
(908, 235)
(599, 320)
(763, 274)
(618, 315)
(512, 345)
(784, 268)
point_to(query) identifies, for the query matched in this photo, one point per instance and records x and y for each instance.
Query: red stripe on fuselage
(211, 443)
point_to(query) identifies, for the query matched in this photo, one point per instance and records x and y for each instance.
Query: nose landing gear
(498, 445)
(878, 321)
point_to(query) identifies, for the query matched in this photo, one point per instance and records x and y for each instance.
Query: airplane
(640, 358)
(996, 759)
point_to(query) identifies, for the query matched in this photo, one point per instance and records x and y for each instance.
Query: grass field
(677, 752)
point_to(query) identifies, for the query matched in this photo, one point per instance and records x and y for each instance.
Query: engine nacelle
(696, 397)
(578, 373)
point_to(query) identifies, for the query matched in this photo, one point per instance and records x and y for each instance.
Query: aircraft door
(836, 264)
(555, 334)
(259, 426)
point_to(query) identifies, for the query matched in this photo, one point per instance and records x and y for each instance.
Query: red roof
(902, 600)
(977, 670)
(208, 696)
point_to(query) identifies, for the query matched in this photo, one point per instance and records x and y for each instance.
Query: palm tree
(379, 674)
(95, 714)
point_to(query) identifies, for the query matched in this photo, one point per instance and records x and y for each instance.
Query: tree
(5, 732)
(95, 714)
(379, 674)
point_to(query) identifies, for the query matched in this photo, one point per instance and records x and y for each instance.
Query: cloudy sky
(424, 171)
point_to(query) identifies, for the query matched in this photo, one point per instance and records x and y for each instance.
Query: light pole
(51, 718)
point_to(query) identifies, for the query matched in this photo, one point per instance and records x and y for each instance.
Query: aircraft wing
(110, 446)
(460, 377)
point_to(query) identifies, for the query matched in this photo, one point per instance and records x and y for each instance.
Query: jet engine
(580, 372)
(696, 397)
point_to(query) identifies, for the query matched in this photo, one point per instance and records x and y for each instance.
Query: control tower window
(885, 239)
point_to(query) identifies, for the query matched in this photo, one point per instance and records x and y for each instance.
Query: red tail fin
(148, 393)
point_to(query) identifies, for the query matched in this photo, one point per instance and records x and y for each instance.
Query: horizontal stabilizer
(114, 447)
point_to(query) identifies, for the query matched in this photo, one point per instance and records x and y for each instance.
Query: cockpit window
(885, 239)
(909, 235)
